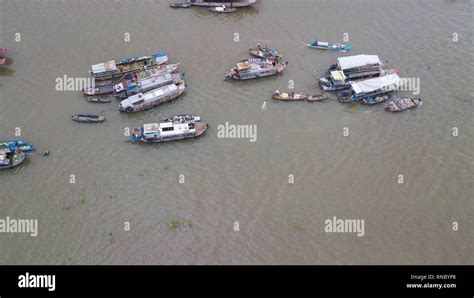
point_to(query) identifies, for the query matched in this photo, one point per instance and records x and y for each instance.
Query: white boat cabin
(388, 82)
(357, 61)
(149, 96)
(166, 129)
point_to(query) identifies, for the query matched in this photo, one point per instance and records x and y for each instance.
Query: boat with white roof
(127, 88)
(143, 101)
(168, 131)
(352, 68)
(371, 87)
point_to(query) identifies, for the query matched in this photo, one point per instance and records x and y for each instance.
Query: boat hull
(15, 161)
(396, 106)
(155, 103)
(200, 127)
(88, 118)
(317, 97)
(342, 48)
(220, 3)
(249, 76)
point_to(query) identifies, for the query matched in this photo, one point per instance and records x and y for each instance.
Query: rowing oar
(310, 74)
(304, 44)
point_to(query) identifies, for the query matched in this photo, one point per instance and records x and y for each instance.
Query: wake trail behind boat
(109, 110)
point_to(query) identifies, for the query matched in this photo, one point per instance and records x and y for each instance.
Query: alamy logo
(74, 84)
(37, 281)
(234, 131)
(403, 84)
(11, 225)
(338, 225)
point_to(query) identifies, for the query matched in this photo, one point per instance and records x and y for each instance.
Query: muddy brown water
(234, 180)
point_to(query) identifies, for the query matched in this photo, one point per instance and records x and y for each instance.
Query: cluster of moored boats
(141, 83)
(145, 82)
(364, 79)
(13, 153)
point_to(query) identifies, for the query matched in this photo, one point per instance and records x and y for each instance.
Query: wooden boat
(153, 72)
(9, 160)
(374, 100)
(111, 70)
(317, 97)
(223, 9)
(98, 99)
(143, 101)
(99, 82)
(88, 118)
(323, 45)
(292, 96)
(214, 3)
(99, 90)
(254, 68)
(131, 78)
(263, 52)
(402, 104)
(180, 5)
(128, 88)
(168, 131)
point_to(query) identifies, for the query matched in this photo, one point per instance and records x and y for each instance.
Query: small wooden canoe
(373, 101)
(98, 99)
(317, 97)
(88, 118)
(262, 51)
(402, 104)
(180, 5)
(222, 9)
(292, 96)
(99, 90)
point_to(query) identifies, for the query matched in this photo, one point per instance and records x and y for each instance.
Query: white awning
(391, 80)
(357, 61)
(103, 67)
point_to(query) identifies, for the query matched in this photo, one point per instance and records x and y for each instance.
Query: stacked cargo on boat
(142, 82)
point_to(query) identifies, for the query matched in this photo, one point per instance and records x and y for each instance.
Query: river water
(235, 180)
